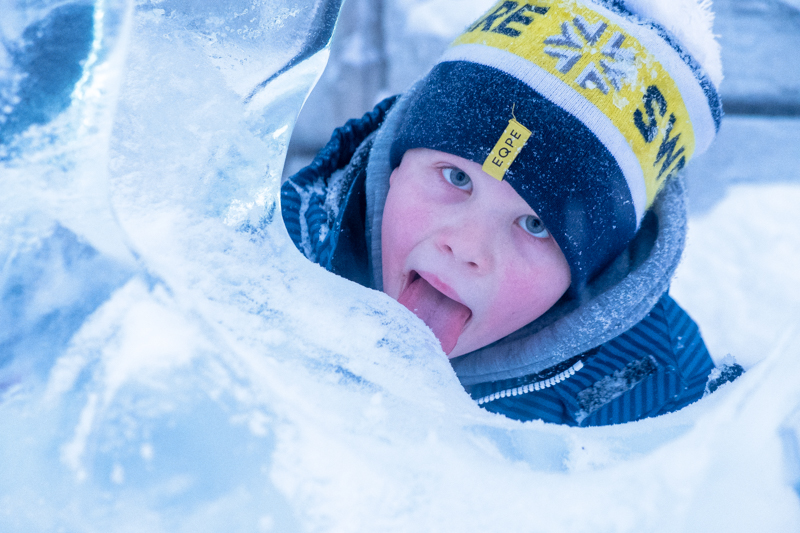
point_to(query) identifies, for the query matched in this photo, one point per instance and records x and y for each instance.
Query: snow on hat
(585, 109)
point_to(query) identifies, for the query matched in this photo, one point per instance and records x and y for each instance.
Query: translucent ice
(169, 362)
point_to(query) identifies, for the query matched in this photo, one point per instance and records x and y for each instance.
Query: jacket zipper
(530, 387)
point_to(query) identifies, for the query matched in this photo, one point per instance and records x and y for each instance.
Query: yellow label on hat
(506, 150)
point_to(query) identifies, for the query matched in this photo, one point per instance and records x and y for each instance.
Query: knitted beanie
(584, 109)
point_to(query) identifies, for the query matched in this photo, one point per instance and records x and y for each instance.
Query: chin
(468, 345)
(472, 339)
(460, 349)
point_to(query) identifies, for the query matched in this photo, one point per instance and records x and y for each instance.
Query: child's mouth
(445, 316)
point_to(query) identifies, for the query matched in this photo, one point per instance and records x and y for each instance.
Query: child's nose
(469, 244)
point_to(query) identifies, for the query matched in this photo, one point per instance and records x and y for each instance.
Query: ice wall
(169, 362)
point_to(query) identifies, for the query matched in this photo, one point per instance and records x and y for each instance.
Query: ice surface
(169, 362)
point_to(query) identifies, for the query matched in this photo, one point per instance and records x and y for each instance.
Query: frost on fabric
(727, 371)
(613, 386)
(339, 182)
(336, 190)
(310, 198)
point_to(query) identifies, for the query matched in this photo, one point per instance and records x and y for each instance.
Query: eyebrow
(450, 164)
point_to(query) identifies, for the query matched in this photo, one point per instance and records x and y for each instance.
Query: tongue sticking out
(444, 316)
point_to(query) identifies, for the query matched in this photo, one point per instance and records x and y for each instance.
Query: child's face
(465, 252)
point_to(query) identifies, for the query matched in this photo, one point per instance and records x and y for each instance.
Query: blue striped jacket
(659, 365)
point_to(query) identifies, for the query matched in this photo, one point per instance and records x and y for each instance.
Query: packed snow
(169, 361)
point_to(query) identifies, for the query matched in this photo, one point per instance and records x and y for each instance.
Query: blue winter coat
(625, 352)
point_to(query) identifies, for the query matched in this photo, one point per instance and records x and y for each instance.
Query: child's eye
(534, 226)
(457, 177)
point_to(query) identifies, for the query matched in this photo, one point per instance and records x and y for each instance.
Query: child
(521, 199)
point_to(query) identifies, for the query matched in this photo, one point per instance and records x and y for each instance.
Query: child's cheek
(411, 214)
(520, 296)
(403, 227)
(509, 301)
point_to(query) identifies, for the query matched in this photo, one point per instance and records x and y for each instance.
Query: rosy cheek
(509, 305)
(518, 300)
(513, 298)
(403, 224)
(408, 217)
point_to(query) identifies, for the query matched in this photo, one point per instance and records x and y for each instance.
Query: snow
(691, 23)
(748, 243)
(736, 280)
(174, 364)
